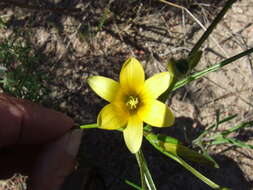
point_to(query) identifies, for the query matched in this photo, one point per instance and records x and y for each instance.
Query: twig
(230, 92)
(198, 22)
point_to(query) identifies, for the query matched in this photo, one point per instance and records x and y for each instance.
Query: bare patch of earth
(96, 39)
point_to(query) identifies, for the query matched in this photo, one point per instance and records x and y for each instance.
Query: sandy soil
(96, 40)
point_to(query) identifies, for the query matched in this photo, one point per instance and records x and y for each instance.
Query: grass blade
(133, 185)
(232, 141)
(210, 29)
(239, 143)
(237, 127)
(197, 141)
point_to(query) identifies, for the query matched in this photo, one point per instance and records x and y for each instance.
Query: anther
(132, 102)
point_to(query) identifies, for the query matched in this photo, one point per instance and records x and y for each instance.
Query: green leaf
(237, 127)
(207, 131)
(212, 26)
(133, 185)
(219, 140)
(147, 128)
(213, 68)
(167, 139)
(239, 143)
(230, 117)
(191, 155)
(175, 147)
(156, 144)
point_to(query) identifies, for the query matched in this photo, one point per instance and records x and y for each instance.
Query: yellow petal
(133, 133)
(156, 113)
(106, 88)
(156, 85)
(111, 117)
(132, 75)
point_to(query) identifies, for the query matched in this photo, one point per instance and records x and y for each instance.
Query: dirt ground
(95, 37)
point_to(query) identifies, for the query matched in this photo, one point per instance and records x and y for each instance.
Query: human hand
(37, 142)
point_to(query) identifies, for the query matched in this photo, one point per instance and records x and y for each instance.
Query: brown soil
(100, 35)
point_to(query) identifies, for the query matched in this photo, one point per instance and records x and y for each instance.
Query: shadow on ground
(106, 152)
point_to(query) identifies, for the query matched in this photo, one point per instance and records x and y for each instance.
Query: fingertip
(25, 122)
(56, 162)
(74, 142)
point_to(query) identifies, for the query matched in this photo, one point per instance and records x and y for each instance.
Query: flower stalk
(146, 178)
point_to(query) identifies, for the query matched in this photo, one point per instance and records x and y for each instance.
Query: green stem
(213, 68)
(132, 184)
(89, 126)
(146, 178)
(147, 173)
(140, 163)
(211, 27)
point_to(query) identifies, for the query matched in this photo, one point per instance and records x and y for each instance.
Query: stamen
(132, 102)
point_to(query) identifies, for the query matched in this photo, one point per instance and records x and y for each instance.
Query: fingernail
(74, 142)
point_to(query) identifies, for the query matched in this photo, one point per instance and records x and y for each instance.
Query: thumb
(56, 162)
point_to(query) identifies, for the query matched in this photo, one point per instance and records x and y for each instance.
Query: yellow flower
(132, 102)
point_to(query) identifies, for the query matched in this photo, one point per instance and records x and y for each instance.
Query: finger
(25, 122)
(56, 162)
(10, 121)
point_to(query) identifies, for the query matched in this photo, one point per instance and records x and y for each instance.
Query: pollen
(132, 102)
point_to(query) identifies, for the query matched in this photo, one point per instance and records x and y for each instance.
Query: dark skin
(37, 142)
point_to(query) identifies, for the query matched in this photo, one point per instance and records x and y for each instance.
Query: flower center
(132, 102)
